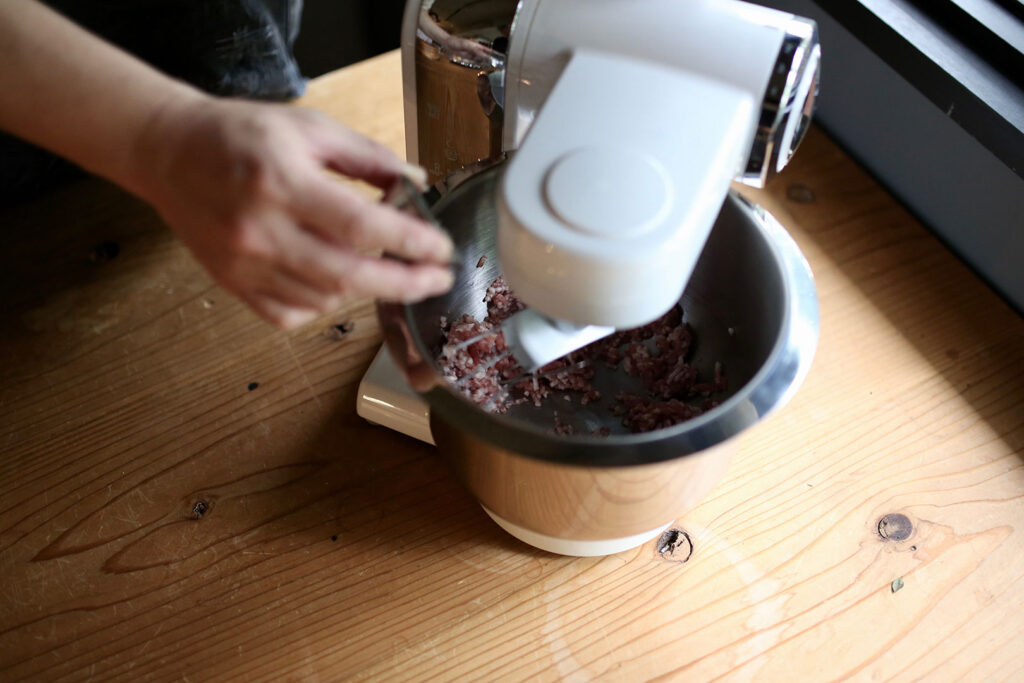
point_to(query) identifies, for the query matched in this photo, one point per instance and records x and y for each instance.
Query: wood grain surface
(187, 494)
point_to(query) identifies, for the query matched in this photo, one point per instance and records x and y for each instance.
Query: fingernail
(417, 174)
(446, 280)
(441, 249)
(296, 318)
(447, 248)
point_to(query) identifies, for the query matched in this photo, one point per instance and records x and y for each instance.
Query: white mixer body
(726, 40)
(629, 119)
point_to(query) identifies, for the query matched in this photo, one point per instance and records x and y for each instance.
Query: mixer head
(629, 120)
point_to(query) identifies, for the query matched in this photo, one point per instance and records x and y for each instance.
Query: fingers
(289, 303)
(385, 278)
(277, 313)
(340, 215)
(296, 290)
(472, 48)
(300, 293)
(417, 174)
(288, 243)
(347, 152)
(336, 274)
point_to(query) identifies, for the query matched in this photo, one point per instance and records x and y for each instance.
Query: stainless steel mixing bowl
(752, 304)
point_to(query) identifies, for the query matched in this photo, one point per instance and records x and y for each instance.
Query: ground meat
(568, 374)
(656, 353)
(641, 414)
(718, 385)
(677, 379)
(612, 356)
(563, 428)
(477, 368)
(501, 302)
(533, 389)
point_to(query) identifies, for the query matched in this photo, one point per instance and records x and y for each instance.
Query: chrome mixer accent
(789, 101)
(455, 53)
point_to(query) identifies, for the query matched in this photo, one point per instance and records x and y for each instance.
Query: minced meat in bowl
(644, 374)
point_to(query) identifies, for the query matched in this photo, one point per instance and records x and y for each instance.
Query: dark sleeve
(225, 47)
(240, 48)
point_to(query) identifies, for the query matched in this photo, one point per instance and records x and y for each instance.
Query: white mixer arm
(606, 206)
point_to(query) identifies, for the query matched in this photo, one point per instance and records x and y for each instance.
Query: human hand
(457, 45)
(465, 47)
(244, 186)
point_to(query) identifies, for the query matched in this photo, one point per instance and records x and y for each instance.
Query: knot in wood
(801, 194)
(340, 331)
(895, 527)
(675, 546)
(199, 509)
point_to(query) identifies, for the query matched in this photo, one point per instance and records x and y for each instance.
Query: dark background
(334, 33)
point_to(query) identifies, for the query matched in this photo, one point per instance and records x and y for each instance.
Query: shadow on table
(408, 499)
(88, 246)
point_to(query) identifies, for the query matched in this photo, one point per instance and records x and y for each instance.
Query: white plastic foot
(565, 546)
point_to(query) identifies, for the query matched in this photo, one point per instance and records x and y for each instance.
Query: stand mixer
(584, 150)
(629, 119)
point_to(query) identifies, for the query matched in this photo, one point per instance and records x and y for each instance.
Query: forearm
(76, 95)
(242, 184)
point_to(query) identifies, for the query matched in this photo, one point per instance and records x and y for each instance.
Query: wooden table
(188, 493)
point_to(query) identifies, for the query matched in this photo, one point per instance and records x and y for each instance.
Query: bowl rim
(774, 383)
